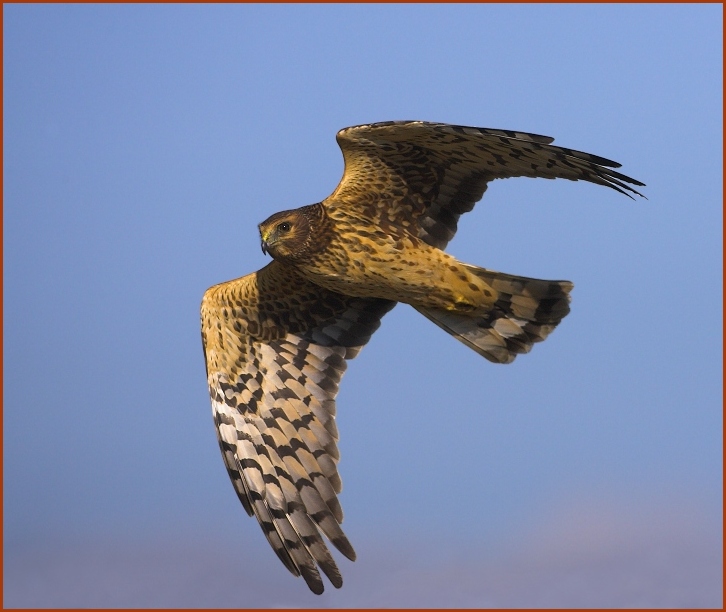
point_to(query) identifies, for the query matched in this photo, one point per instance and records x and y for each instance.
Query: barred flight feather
(527, 311)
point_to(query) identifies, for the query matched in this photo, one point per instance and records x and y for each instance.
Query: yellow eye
(284, 227)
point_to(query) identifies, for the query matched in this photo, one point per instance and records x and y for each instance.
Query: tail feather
(527, 311)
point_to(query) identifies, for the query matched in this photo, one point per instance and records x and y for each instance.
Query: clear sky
(143, 144)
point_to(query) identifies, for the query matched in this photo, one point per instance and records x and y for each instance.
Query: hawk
(276, 341)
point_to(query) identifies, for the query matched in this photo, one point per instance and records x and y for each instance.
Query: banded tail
(527, 311)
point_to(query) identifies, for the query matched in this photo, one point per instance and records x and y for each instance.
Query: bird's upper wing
(275, 347)
(423, 176)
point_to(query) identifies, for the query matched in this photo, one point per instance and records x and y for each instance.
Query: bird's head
(287, 235)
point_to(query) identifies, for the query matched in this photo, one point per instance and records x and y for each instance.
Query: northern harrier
(276, 341)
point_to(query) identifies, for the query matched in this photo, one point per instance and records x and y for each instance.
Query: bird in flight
(276, 341)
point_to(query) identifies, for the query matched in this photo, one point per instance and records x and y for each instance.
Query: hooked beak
(263, 238)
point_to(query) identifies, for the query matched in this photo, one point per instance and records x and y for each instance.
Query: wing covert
(276, 348)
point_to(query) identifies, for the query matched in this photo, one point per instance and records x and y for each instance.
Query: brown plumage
(276, 341)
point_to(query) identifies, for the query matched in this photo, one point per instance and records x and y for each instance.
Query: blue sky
(143, 144)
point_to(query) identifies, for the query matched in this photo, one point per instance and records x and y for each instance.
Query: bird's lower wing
(276, 348)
